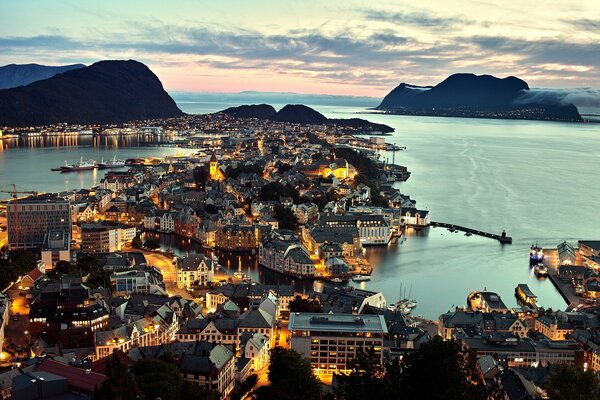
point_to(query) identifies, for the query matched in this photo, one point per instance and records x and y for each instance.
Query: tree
(64, 267)
(136, 243)
(291, 378)
(368, 378)
(201, 176)
(273, 191)
(243, 388)
(285, 217)
(442, 370)
(18, 263)
(157, 378)
(120, 383)
(438, 370)
(151, 244)
(569, 383)
(304, 305)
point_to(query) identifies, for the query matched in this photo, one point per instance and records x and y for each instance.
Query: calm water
(27, 162)
(537, 180)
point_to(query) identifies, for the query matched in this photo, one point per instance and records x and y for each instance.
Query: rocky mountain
(301, 114)
(104, 92)
(260, 111)
(469, 95)
(14, 75)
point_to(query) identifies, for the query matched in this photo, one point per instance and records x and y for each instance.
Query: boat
(536, 255)
(540, 270)
(114, 163)
(468, 234)
(361, 278)
(80, 166)
(337, 280)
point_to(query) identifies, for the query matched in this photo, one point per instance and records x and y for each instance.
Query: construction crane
(14, 192)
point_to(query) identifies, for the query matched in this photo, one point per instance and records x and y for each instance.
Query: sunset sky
(333, 47)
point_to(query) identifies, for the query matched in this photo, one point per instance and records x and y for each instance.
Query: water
(537, 180)
(27, 162)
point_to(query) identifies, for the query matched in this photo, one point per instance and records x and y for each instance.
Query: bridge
(502, 238)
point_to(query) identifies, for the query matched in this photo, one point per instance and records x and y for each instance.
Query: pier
(502, 238)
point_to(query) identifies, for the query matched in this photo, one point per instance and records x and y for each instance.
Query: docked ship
(540, 270)
(536, 255)
(361, 278)
(80, 166)
(114, 163)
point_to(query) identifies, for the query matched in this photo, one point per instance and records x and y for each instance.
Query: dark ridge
(14, 75)
(301, 114)
(105, 92)
(260, 111)
(469, 95)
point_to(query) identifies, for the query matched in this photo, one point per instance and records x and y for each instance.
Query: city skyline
(333, 48)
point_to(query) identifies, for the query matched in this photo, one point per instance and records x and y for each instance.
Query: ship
(80, 166)
(114, 163)
(540, 270)
(536, 255)
(361, 278)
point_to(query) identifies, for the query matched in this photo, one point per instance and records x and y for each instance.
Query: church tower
(214, 165)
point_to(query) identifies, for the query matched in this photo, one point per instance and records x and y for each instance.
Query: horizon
(337, 48)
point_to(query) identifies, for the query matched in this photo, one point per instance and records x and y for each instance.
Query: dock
(502, 238)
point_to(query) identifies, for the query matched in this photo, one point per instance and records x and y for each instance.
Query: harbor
(502, 238)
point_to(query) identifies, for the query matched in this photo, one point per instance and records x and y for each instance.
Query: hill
(104, 92)
(301, 114)
(14, 75)
(469, 95)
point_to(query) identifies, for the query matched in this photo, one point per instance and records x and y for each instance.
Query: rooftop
(337, 322)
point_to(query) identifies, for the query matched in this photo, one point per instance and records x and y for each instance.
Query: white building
(195, 269)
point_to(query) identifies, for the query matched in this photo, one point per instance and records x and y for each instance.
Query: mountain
(104, 92)
(469, 95)
(260, 111)
(301, 114)
(14, 75)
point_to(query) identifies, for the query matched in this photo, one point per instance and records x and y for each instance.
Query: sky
(346, 47)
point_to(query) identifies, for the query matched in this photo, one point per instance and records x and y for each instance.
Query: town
(87, 285)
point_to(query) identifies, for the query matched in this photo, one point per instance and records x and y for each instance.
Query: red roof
(35, 274)
(100, 365)
(77, 377)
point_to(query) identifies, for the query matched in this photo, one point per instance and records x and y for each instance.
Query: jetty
(502, 238)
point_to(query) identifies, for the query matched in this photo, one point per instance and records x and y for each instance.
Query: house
(32, 277)
(255, 346)
(194, 269)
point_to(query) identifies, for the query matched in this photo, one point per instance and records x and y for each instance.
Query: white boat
(80, 166)
(337, 280)
(114, 163)
(361, 278)
(540, 270)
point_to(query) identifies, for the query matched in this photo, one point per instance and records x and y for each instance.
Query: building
(105, 237)
(210, 366)
(30, 219)
(195, 269)
(331, 341)
(127, 282)
(526, 352)
(4, 315)
(373, 230)
(554, 327)
(57, 247)
(236, 238)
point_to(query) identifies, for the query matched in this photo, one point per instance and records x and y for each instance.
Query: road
(16, 333)
(165, 264)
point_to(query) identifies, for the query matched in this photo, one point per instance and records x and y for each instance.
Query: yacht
(361, 278)
(114, 163)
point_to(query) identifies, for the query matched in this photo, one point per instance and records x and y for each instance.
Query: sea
(539, 181)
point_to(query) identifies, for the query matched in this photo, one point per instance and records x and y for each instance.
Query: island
(301, 114)
(476, 96)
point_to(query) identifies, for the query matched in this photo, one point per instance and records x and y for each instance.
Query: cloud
(419, 19)
(580, 97)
